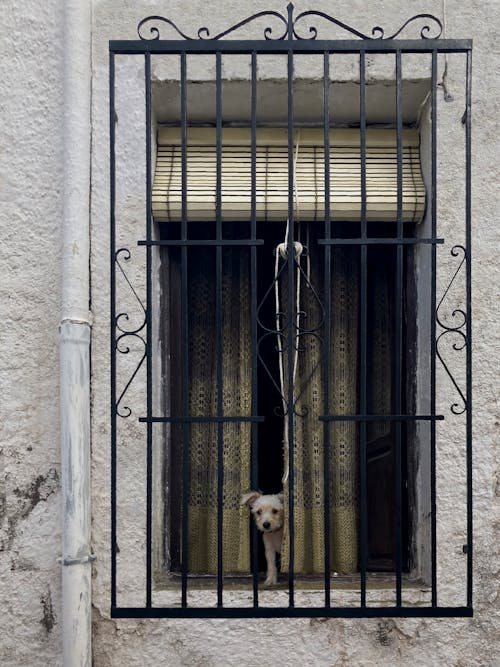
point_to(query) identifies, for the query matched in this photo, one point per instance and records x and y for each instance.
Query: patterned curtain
(236, 400)
(308, 447)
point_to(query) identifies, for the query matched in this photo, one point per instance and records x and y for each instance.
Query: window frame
(291, 44)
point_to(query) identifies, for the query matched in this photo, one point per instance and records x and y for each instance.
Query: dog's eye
(275, 511)
(259, 512)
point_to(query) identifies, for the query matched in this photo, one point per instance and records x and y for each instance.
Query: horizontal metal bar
(203, 242)
(291, 612)
(379, 418)
(378, 241)
(158, 46)
(199, 420)
(251, 242)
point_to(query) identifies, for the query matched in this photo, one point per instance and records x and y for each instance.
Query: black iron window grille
(202, 264)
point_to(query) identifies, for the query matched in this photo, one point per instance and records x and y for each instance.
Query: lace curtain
(309, 386)
(309, 496)
(236, 400)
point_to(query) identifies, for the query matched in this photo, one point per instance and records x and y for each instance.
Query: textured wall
(297, 642)
(30, 220)
(30, 224)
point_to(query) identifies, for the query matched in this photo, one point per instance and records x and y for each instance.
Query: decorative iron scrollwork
(127, 335)
(204, 33)
(432, 28)
(376, 33)
(455, 329)
(293, 324)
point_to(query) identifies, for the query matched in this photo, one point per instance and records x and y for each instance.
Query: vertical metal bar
(112, 265)
(291, 342)
(468, 247)
(218, 324)
(327, 336)
(184, 340)
(363, 333)
(149, 346)
(254, 471)
(433, 323)
(398, 330)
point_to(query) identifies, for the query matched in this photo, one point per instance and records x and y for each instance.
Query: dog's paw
(271, 581)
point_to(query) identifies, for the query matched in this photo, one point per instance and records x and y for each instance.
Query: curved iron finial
(290, 23)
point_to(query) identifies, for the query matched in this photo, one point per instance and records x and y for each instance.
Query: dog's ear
(249, 498)
(281, 496)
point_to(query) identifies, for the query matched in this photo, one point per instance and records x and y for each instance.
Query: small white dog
(269, 516)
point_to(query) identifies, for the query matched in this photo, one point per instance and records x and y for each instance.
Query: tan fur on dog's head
(266, 509)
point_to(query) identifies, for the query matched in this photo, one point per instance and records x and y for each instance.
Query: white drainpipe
(75, 339)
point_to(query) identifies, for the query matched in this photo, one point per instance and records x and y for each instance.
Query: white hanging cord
(308, 257)
(295, 188)
(282, 252)
(448, 97)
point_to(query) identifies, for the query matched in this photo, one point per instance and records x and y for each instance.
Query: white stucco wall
(30, 226)
(30, 294)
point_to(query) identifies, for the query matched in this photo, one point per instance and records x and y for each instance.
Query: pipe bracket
(77, 561)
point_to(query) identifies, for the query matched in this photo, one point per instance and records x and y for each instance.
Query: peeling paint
(27, 498)
(48, 619)
(36, 491)
(384, 632)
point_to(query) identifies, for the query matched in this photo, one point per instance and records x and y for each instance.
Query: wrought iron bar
(254, 471)
(202, 420)
(468, 309)
(298, 47)
(398, 332)
(381, 418)
(433, 204)
(372, 240)
(184, 340)
(363, 509)
(291, 340)
(112, 288)
(202, 242)
(292, 612)
(218, 325)
(149, 336)
(327, 310)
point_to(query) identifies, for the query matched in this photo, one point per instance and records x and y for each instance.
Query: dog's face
(266, 509)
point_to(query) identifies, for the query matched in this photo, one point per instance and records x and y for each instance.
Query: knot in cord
(282, 250)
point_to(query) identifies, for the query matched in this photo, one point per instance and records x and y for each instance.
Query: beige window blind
(272, 175)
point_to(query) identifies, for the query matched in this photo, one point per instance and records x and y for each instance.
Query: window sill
(351, 582)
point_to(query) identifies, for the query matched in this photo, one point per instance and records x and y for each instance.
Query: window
(232, 320)
(284, 348)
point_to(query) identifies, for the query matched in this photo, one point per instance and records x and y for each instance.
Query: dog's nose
(266, 525)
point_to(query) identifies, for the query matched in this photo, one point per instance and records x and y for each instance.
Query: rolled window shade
(271, 172)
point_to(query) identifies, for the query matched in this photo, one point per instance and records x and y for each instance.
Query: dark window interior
(380, 454)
